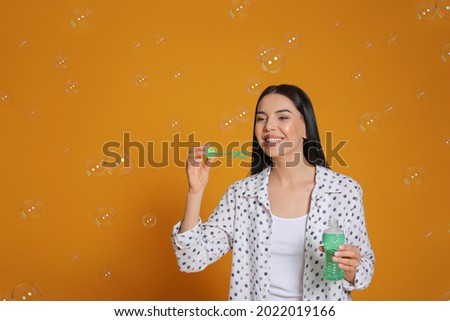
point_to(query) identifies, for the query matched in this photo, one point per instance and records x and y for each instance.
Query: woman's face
(279, 126)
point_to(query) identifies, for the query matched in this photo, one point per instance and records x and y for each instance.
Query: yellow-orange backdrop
(51, 129)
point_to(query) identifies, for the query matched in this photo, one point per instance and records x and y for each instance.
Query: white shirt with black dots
(242, 222)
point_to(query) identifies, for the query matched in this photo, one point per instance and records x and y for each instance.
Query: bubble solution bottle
(332, 237)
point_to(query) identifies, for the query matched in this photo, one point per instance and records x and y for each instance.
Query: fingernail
(341, 247)
(337, 253)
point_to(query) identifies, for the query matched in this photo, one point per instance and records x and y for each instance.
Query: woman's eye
(283, 117)
(259, 119)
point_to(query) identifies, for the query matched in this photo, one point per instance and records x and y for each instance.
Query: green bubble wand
(235, 154)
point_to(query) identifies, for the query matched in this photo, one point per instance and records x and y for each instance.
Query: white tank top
(287, 261)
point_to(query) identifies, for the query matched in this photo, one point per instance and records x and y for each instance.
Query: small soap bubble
(65, 150)
(446, 141)
(26, 291)
(389, 108)
(174, 124)
(337, 24)
(71, 86)
(261, 52)
(254, 86)
(425, 11)
(30, 209)
(227, 123)
(5, 296)
(445, 52)
(33, 113)
(107, 273)
(238, 8)
(5, 97)
(80, 18)
(421, 93)
(161, 39)
(291, 40)
(428, 234)
(141, 80)
(443, 8)
(75, 258)
(177, 74)
(23, 43)
(369, 122)
(358, 76)
(137, 45)
(94, 168)
(392, 39)
(61, 62)
(104, 216)
(369, 45)
(272, 61)
(149, 220)
(123, 167)
(446, 296)
(413, 175)
(242, 114)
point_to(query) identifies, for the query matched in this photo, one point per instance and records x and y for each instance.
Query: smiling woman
(273, 220)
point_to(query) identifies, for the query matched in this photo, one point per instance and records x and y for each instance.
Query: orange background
(48, 135)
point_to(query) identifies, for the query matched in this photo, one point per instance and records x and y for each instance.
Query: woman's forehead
(274, 102)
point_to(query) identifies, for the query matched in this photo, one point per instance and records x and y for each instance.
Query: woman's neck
(290, 174)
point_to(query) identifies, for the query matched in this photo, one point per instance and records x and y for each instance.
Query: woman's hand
(198, 171)
(348, 258)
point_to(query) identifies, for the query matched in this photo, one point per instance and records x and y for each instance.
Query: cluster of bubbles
(427, 11)
(97, 168)
(228, 122)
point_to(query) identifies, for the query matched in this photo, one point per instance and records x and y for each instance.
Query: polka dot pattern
(242, 223)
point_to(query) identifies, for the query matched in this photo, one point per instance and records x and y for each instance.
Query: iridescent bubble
(291, 40)
(123, 167)
(149, 220)
(61, 62)
(107, 273)
(421, 93)
(174, 123)
(177, 74)
(94, 168)
(5, 97)
(71, 86)
(369, 122)
(80, 18)
(5, 296)
(389, 108)
(104, 216)
(30, 209)
(238, 8)
(227, 123)
(272, 61)
(443, 8)
(141, 79)
(358, 76)
(425, 11)
(254, 86)
(161, 39)
(392, 39)
(26, 291)
(413, 175)
(445, 52)
(242, 114)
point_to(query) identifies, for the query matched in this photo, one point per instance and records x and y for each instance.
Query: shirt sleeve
(206, 242)
(358, 236)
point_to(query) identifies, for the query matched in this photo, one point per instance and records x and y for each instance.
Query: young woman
(273, 220)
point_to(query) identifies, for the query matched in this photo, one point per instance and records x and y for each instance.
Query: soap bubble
(389, 108)
(446, 296)
(71, 86)
(261, 51)
(291, 40)
(107, 273)
(104, 216)
(137, 45)
(227, 123)
(428, 234)
(421, 93)
(425, 11)
(94, 168)
(358, 76)
(177, 74)
(242, 114)
(337, 24)
(161, 39)
(445, 52)
(26, 291)
(23, 43)
(5, 297)
(123, 167)
(65, 150)
(238, 8)
(446, 141)
(443, 8)
(61, 62)
(4, 97)
(80, 18)
(272, 61)
(369, 122)
(149, 220)
(174, 123)
(33, 113)
(369, 45)
(30, 209)
(413, 175)
(392, 39)
(75, 258)
(141, 80)
(254, 86)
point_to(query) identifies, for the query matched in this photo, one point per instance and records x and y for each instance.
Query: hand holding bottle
(348, 257)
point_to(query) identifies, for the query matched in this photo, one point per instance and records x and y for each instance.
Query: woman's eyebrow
(277, 112)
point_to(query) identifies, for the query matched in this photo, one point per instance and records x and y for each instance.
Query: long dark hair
(312, 149)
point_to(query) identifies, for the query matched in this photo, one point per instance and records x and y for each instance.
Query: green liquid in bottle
(332, 238)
